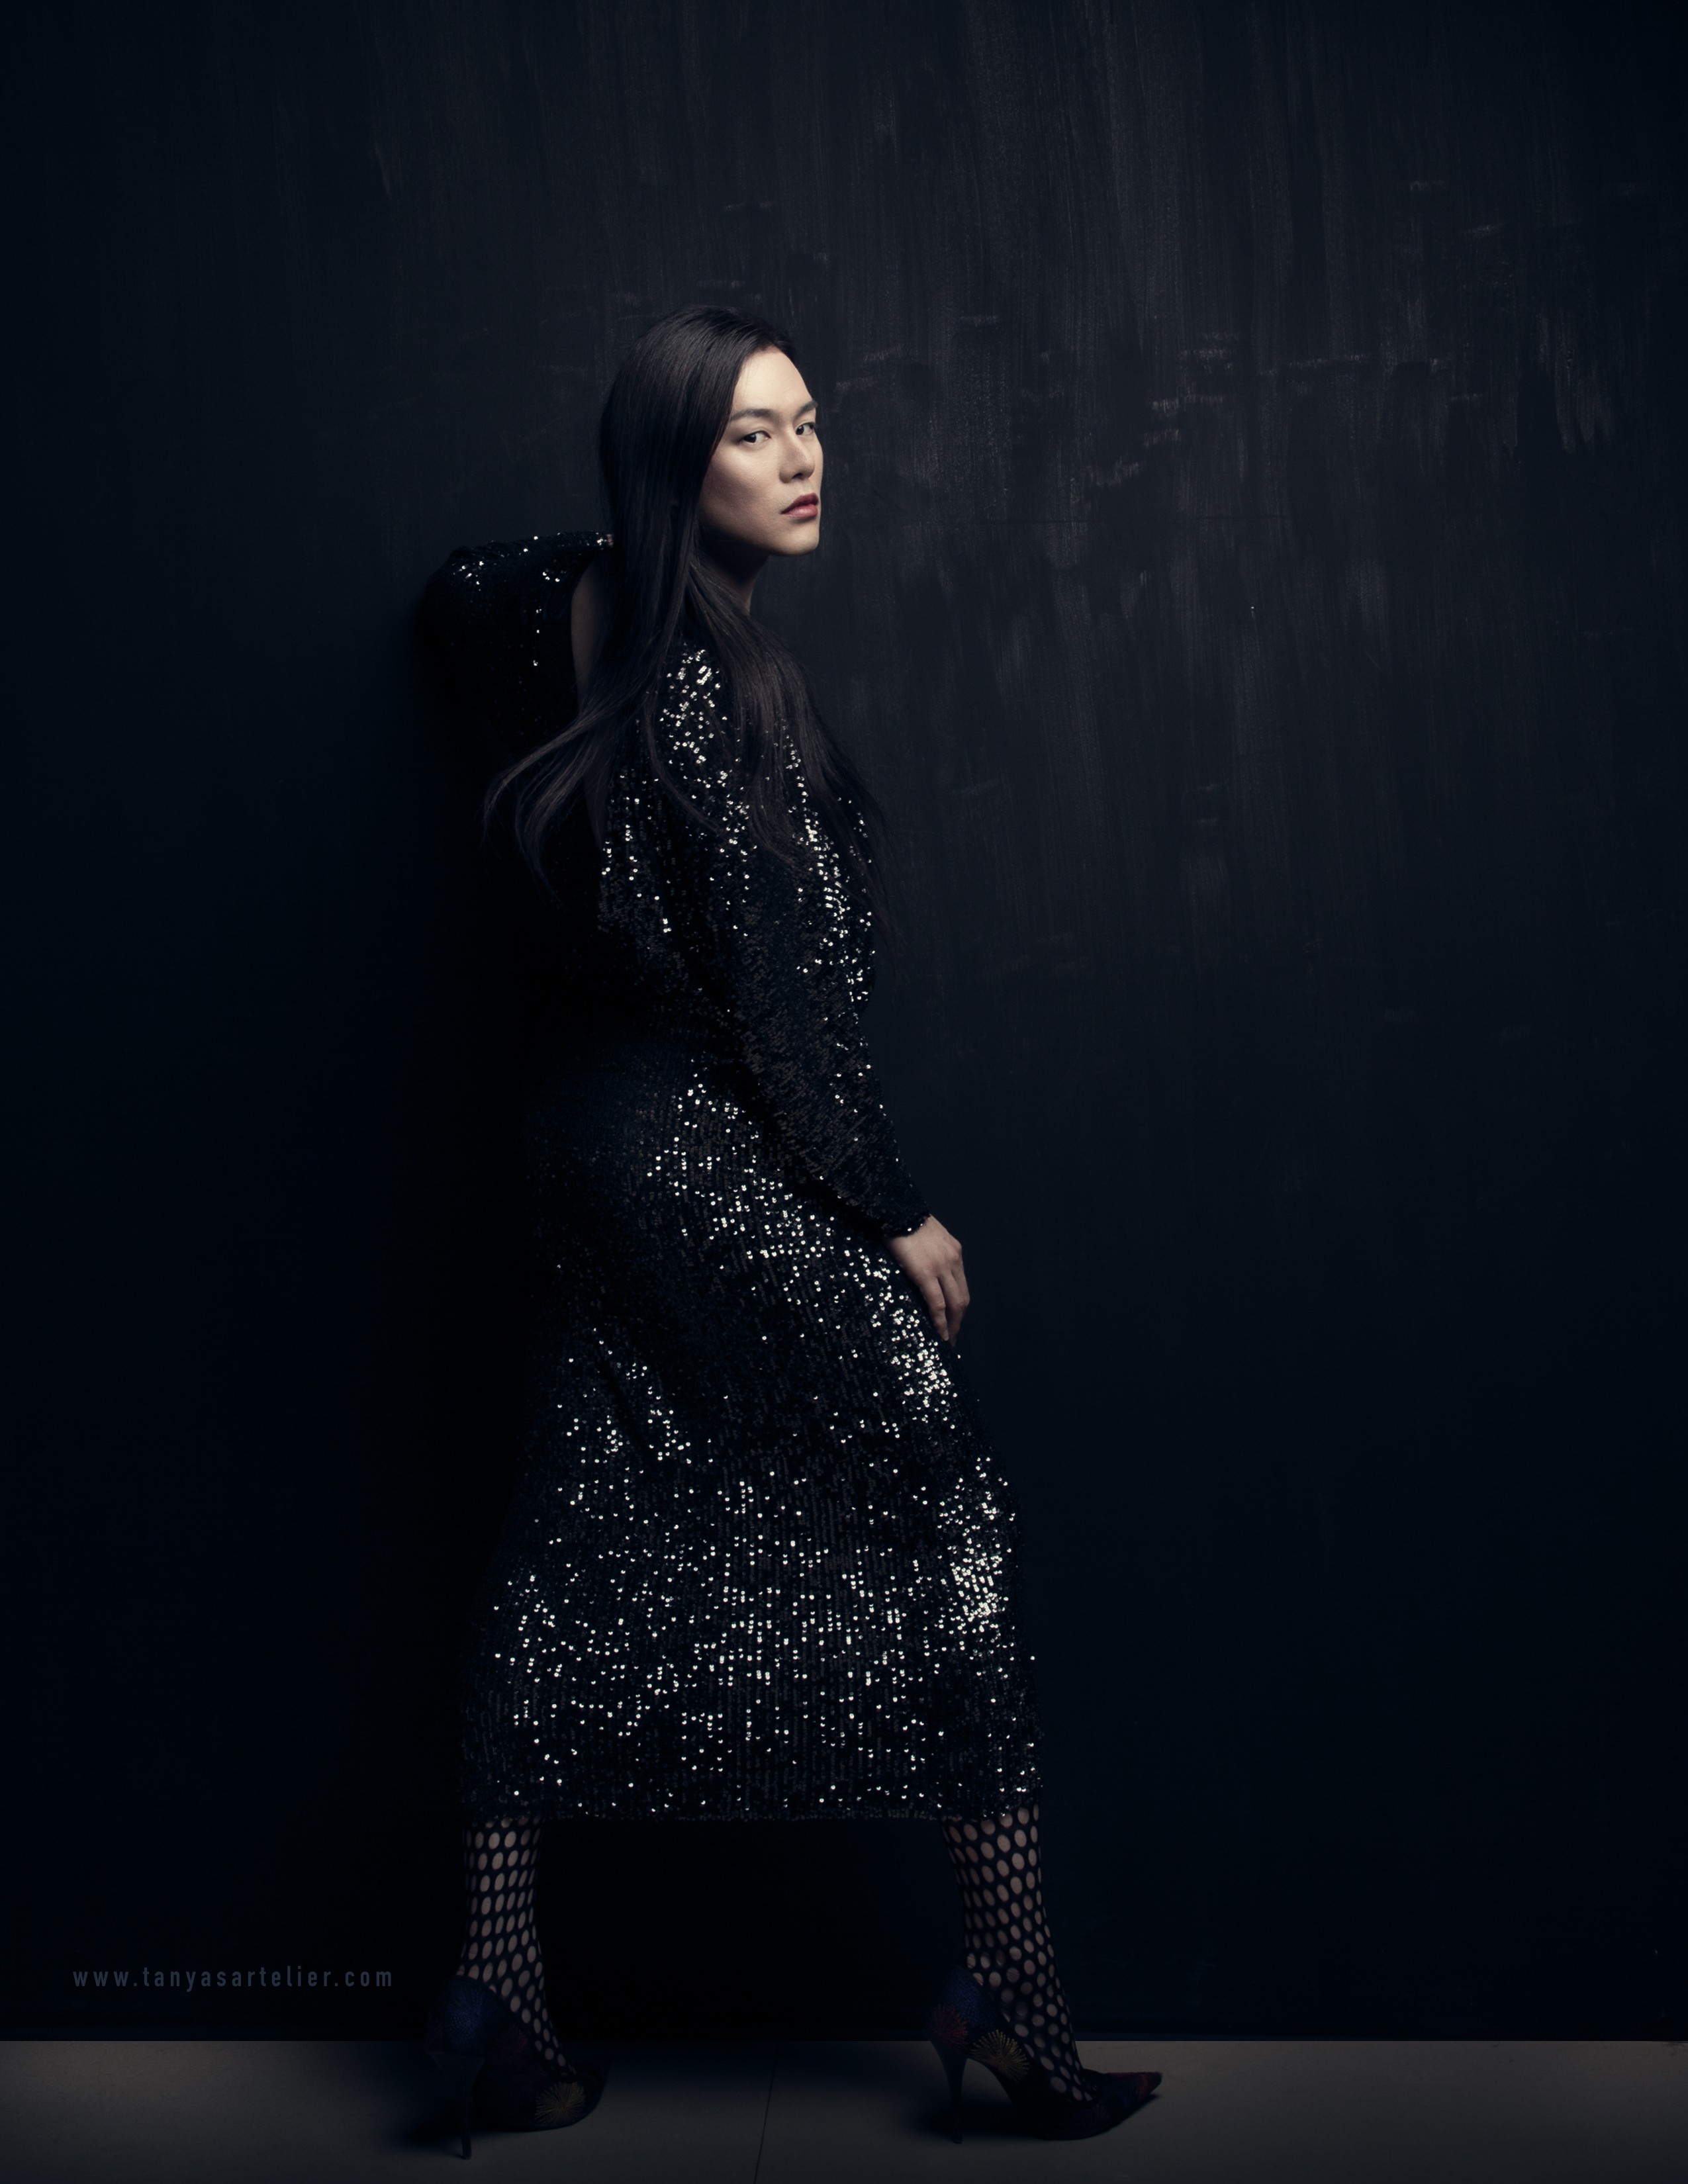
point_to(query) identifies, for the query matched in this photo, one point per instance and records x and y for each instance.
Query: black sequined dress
(759, 1559)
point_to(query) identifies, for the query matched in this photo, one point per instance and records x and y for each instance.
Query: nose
(800, 459)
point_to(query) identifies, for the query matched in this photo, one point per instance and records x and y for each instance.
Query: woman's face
(762, 489)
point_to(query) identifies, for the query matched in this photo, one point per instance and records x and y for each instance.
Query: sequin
(760, 1561)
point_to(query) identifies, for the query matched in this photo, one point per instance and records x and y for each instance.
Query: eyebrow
(774, 413)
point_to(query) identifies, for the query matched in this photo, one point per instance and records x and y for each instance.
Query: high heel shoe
(965, 2025)
(475, 2042)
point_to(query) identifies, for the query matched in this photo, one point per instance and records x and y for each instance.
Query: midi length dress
(759, 1559)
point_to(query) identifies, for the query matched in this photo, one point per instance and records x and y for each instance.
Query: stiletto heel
(474, 2042)
(464, 2019)
(950, 2033)
(460, 2073)
(954, 2062)
(965, 2025)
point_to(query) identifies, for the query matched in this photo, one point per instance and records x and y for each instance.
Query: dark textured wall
(1254, 578)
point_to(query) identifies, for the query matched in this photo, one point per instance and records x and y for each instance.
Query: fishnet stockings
(501, 1945)
(1009, 1950)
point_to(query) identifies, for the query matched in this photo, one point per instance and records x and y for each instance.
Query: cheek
(728, 490)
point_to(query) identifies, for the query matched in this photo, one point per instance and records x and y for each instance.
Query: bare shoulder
(588, 614)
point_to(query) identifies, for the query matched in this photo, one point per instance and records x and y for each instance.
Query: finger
(936, 1305)
(956, 1298)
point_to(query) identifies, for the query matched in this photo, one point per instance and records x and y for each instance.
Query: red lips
(801, 507)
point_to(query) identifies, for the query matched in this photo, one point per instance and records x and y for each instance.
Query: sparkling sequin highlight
(760, 1562)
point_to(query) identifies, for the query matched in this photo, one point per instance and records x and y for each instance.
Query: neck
(737, 565)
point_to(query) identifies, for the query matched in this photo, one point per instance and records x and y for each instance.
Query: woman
(760, 1562)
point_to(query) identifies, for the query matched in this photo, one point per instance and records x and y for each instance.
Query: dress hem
(478, 1812)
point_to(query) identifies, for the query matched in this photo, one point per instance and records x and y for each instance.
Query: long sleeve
(785, 954)
(495, 621)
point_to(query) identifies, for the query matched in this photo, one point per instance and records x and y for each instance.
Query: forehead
(770, 381)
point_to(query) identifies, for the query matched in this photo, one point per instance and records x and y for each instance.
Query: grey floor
(1229, 2112)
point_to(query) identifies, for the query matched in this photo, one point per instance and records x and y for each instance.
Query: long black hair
(663, 420)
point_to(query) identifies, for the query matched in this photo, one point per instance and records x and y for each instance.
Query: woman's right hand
(932, 1260)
